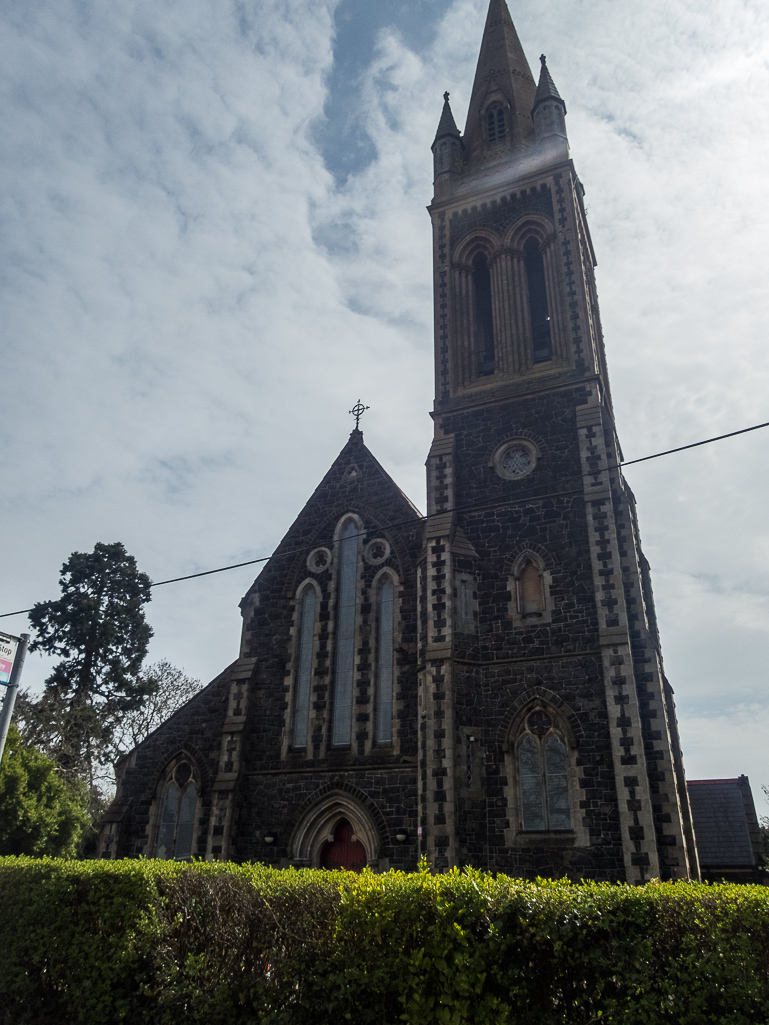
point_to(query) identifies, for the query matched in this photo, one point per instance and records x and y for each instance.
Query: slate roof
(721, 822)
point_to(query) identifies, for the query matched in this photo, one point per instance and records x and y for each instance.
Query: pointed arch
(385, 588)
(319, 824)
(530, 589)
(347, 557)
(307, 609)
(175, 811)
(543, 777)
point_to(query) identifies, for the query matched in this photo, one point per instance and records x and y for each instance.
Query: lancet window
(385, 659)
(484, 317)
(178, 812)
(346, 608)
(543, 774)
(308, 605)
(530, 588)
(542, 348)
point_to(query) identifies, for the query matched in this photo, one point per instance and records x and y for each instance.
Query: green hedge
(151, 942)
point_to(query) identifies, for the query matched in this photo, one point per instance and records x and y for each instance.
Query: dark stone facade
(523, 615)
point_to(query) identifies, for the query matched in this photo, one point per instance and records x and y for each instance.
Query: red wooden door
(343, 851)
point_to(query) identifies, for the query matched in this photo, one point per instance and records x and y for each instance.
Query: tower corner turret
(549, 116)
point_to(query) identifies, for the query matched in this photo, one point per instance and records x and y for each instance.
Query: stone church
(482, 685)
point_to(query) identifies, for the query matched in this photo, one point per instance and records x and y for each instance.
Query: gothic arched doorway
(344, 851)
(324, 833)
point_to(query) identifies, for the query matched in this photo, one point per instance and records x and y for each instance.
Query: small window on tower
(495, 124)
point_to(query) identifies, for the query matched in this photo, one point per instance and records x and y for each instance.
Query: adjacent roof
(721, 813)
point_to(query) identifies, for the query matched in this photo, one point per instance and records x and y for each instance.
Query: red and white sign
(8, 646)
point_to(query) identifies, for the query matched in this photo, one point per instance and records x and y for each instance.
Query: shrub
(162, 943)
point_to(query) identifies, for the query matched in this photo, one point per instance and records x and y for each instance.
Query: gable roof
(724, 818)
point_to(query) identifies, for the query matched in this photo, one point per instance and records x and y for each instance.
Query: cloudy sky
(213, 241)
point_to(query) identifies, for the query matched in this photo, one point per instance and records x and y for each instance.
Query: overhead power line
(457, 509)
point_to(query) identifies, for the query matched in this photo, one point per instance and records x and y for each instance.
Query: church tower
(548, 741)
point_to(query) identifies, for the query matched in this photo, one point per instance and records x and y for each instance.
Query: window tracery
(543, 773)
(178, 813)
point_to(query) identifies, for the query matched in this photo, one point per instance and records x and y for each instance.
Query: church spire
(499, 116)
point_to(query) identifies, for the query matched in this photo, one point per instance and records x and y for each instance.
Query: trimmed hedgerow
(161, 943)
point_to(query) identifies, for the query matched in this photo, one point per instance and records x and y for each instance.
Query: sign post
(13, 651)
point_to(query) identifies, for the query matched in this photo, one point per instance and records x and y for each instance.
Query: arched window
(495, 124)
(385, 660)
(347, 579)
(542, 349)
(543, 773)
(177, 816)
(484, 318)
(531, 589)
(307, 615)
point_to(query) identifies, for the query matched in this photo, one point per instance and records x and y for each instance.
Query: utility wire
(429, 516)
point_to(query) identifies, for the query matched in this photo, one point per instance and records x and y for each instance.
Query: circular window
(376, 551)
(515, 459)
(319, 560)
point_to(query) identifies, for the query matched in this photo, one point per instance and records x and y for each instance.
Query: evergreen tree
(40, 813)
(99, 630)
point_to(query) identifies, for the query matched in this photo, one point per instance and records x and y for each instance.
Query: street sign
(8, 646)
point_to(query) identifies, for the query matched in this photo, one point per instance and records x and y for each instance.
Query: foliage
(163, 943)
(167, 689)
(40, 814)
(98, 629)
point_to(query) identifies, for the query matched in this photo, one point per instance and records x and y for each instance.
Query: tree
(40, 813)
(99, 630)
(170, 689)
